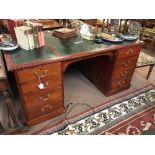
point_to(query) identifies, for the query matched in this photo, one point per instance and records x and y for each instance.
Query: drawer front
(39, 110)
(123, 73)
(54, 97)
(128, 52)
(125, 63)
(49, 85)
(44, 72)
(120, 83)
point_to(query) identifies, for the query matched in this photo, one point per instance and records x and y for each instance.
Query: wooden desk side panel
(97, 68)
(3, 85)
(99, 71)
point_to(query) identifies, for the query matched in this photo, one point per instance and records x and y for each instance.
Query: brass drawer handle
(41, 75)
(130, 51)
(123, 74)
(45, 97)
(42, 85)
(46, 107)
(126, 64)
(121, 84)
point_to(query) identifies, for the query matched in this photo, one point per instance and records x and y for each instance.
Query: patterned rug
(142, 123)
(132, 114)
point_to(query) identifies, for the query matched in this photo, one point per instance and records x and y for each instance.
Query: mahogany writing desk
(39, 72)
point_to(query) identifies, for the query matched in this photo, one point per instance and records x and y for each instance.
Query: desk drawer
(54, 97)
(120, 83)
(39, 110)
(49, 85)
(126, 62)
(123, 73)
(45, 72)
(128, 52)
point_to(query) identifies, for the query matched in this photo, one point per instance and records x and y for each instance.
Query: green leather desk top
(54, 49)
(20, 56)
(63, 47)
(73, 45)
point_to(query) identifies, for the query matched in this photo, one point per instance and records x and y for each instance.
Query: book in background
(14, 23)
(41, 35)
(25, 37)
(37, 29)
(64, 33)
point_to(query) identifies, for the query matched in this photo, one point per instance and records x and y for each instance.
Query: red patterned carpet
(133, 114)
(140, 123)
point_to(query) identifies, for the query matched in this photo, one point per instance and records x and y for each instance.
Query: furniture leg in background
(150, 71)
